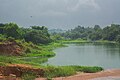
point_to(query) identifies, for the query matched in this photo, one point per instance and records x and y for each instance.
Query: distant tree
(118, 38)
(97, 27)
(39, 28)
(111, 32)
(57, 37)
(2, 26)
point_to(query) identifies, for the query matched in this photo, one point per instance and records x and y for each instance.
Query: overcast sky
(62, 14)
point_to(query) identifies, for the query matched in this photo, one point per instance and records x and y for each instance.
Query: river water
(105, 55)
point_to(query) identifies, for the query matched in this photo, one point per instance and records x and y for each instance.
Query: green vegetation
(28, 76)
(35, 34)
(38, 35)
(35, 41)
(109, 33)
(36, 45)
(87, 69)
(76, 41)
(52, 71)
(61, 71)
(37, 54)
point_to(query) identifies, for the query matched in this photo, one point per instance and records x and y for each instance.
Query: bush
(2, 37)
(11, 39)
(87, 69)
(28, 76)
(28, 50)
(62, 71)
(52, 71)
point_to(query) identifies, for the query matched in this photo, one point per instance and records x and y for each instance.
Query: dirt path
(89, 76)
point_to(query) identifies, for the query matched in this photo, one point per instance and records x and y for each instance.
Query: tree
(111, 32)
(37, 37)
(118, 38)
(97, 27)
(2, 26)
(12, 30)
(57, 37)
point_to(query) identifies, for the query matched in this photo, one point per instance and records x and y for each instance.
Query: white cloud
(83, 4)
(62, 7)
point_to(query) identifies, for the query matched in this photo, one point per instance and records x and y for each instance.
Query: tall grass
(62, 71)
(87, 69)
(52, 71)
(28, 76)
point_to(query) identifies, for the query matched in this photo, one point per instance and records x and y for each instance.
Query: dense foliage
(35, 34)
(39, 34)
(110, 33)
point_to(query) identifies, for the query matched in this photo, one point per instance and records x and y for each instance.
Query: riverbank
(90, 76)
(75, 41)
(28, 72)
(87, 41)
(34, 54)
(54, 71)
(37, 55)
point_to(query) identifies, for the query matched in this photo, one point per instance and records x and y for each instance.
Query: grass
(86, 41)
(41, 53)
(28, 76)
(44, 50)
(62, 71)
(37, 54)
(2, 64)
(52, 71)
(75, 41)
(5, 60)
(87, 69)
(105, 41)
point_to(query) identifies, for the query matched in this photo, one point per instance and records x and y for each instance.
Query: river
(105, 55)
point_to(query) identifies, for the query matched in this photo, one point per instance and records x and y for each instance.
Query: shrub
(58, 71)
(87, 69)
(11, 39)
(28, 50)
(62, 71)
(28, 76)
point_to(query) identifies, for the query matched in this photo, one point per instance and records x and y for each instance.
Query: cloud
(63, 7)
(55, 13)
(48, 7)
(85, 4)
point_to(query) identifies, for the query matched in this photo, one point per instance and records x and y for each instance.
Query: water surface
(88, 54)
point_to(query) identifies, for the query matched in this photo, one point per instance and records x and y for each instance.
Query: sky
(62, 14)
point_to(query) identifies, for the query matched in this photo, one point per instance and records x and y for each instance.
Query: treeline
(34, 34)
(40, 34)
(110, 33)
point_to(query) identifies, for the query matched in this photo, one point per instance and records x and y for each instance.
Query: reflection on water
(106, 55)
